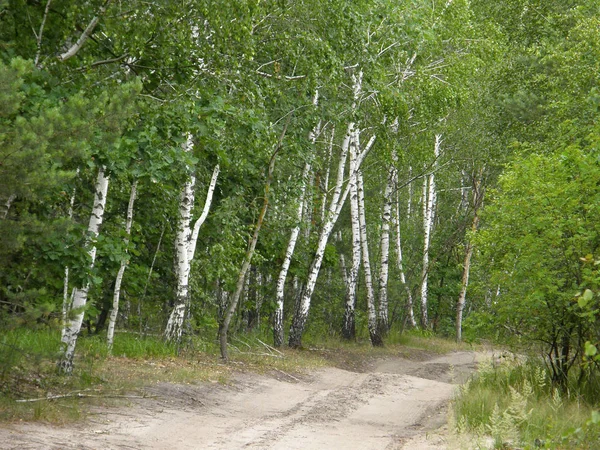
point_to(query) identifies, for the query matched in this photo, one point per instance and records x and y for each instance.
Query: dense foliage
(457, 98)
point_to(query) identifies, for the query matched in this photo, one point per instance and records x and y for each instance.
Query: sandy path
(391, 406)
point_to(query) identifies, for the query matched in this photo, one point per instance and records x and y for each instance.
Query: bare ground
(391, 403)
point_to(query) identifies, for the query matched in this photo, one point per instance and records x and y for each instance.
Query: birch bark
(185, 244)
(117, 293)
(349, 327)
(66, 305)
(335, 206)
(376, 339)
(279, 296)
(410, 314)
(174, 328)
(73, 325)
(460, 306)
(382, 316)
(429, 200)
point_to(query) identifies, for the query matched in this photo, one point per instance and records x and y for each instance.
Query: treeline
(209, 168)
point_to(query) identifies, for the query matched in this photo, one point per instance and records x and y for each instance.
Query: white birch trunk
(279, 296)
(410, 194)
(376, 339)
(399, 261)
(349, 326)
(73, 325)
(7, 205)
(335, 206)
(174, 328)
(382, 316)
(117, 292)
(429, 200)
(200, 221)
(66, 305)
(185, 243)
(326, 179)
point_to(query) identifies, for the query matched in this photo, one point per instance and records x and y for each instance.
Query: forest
(199, 171)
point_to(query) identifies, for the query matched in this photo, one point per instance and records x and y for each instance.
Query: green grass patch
(28, 366)
(515, 405)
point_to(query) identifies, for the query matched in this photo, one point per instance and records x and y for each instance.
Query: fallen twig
(80, 395)
(271, 349)
(285, 373)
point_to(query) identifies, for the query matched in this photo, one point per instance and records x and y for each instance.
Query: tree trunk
(249, 253)
(410, 314)
(349, 326)
(66, 305)
(185, 243)
(335, 206)
(460, 306)
(382, 318)
(73, 325)
(279, 296)
(376, 339)
(174, 328)
(117, 293)
(429, 200)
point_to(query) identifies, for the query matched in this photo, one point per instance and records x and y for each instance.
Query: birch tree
(384, 251)
(185, 244)
(376, 339)
(117, 292)
(280, 289)
(80, 295)
(477, 199)
(429, 203)
(410, 314)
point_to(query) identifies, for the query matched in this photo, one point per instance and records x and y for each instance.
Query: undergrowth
(515, 405)
(28, 365)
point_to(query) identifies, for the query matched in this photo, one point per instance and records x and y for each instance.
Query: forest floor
(390, 402)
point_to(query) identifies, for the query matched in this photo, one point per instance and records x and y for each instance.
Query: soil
(391, 403)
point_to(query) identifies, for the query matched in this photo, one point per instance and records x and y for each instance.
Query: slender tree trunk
(410, 314)
(73, 325)
(382, 318)
(410, 194)
(249, 253)
(460, 306)
(335, 206)
(429, 200)
(349, 326)
(7, 205)
(66, 305)
(185, 243)
(376, 339)
(162, 233)
(40, 34)
(174, 328)
(117, 293)
(325, 185)
(279, 296)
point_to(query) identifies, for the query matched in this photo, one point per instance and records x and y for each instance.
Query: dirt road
(392, 404)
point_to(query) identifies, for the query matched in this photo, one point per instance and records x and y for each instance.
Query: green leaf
(585, 298)
(590, 349)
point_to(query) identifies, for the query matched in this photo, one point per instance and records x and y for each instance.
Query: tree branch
(86, 33)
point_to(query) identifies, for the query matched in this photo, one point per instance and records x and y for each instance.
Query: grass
(28, 370)
(515, 405)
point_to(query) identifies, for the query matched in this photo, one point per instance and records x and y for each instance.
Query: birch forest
(199, 171)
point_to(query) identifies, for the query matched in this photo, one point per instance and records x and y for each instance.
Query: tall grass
(515, 405)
